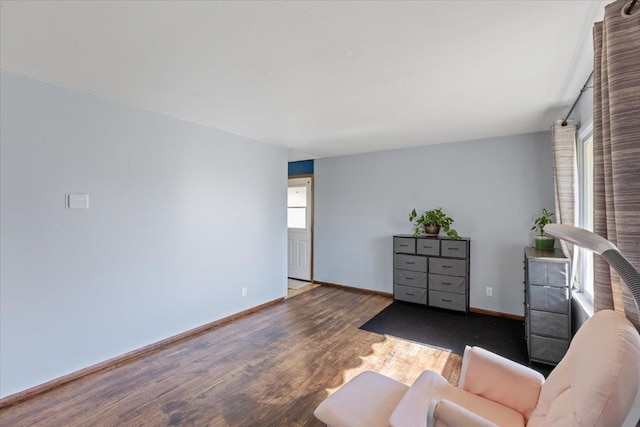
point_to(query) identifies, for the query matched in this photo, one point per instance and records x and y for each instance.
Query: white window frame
(581, 293)
(303, 208)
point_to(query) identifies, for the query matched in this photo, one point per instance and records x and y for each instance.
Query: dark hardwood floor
(270, 368)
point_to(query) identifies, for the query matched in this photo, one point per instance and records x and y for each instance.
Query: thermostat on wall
(77, 201)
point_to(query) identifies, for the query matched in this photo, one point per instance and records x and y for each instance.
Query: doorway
(300, 228)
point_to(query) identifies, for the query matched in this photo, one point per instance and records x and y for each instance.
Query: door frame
(312, 214)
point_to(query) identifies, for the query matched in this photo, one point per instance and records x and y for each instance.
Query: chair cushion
(412, 409)
(365, 401)
(501, 380)
(596, 381)
(451, 415)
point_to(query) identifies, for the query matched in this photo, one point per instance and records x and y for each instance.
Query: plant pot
(432, 229)
(545, 243)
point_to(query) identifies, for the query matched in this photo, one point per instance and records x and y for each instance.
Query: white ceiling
(320, 78)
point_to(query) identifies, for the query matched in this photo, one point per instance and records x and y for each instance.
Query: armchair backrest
(597, 383)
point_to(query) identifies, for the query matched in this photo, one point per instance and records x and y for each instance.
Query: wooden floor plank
(271, 368)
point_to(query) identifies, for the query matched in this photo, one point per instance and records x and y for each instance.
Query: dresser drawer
(417, 279)
(410, 262)
(404, 244)
(448, 267)
(447, 300)
(428, 247)
(447, 283)
(547, 349)
(409, 294)
(549, 324)
(453, 248)
(549, 298)
(548, 273)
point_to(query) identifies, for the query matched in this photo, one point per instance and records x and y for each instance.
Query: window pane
(297, 218)
(588, 206)
(588, 276)
(588, 184)
(585, 257)
(297, 197)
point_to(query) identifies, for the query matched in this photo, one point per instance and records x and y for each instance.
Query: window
(584, 272)
(297, 207)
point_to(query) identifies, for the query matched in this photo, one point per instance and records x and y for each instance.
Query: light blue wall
(492, 188)
(173, 232)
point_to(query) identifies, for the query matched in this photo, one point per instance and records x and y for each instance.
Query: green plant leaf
(540, 222)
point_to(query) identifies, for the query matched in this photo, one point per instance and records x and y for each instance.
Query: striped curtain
(566, 177)
(616, 144)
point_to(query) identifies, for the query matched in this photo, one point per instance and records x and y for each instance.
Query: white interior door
(299, 228)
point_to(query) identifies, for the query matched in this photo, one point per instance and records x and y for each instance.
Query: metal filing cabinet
(432, 271)
(547, 304)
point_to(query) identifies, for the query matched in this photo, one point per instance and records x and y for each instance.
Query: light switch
(77, 201)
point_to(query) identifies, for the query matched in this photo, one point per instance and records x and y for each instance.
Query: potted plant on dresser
(543, 241)
(431, 221)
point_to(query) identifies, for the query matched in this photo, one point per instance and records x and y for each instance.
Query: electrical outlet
(489, 292)
(244, 292)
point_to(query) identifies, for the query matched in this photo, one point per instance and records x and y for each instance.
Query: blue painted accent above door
(303, 167)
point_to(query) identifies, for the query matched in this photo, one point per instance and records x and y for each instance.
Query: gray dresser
(547, 301)
(432, 271)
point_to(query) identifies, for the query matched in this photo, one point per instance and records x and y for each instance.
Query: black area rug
(452, 331)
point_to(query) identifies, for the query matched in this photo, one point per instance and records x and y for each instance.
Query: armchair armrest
(501, 380)
(454, 415)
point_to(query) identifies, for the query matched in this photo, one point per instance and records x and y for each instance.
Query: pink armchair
(597, 383)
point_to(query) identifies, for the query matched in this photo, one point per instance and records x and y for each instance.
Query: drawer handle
(404, 246)
(413, 295)
(410, 278)
(446, 266)
(446, 300)
(410, 262)
(453, 249)
(446, 283)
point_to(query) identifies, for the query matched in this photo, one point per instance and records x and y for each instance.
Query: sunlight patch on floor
(403, 361)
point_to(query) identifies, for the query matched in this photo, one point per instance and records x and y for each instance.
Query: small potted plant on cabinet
(543, 241)
(431, 221)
